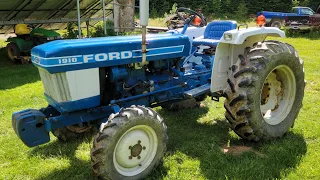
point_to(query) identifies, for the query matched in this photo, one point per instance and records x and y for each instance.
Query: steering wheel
(192, 16)
(31, 26)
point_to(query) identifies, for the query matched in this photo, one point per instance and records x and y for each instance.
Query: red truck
(303, 22)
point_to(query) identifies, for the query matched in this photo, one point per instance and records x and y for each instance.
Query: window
(295, 10)
(307, 11)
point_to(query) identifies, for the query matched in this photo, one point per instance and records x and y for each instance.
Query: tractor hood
(70, 55)
(44, 32)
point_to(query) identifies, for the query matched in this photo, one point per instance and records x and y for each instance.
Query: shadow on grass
(14, 74)
(205, 141)
(78, 169)
(202, 142)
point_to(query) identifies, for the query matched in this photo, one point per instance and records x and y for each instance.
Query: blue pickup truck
(277, 19)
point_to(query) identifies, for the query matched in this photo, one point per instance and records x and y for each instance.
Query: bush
(98, 30)
(242, 11)
(314, 33)
(72, 31)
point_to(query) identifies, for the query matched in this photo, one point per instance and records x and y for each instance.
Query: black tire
(105, 166)
(12, 52)
(277, 24)
(71, 133)
(201, 97)
(248, 91)
(184, 104)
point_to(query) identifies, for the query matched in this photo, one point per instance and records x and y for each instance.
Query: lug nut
(130, 147)
(144, 148)
(130, 157)
(139, 157)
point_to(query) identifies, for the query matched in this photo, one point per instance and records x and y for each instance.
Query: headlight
(57, 37)
(50, 38)
(227, 37)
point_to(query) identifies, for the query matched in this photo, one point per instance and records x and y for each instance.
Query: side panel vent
(55, 85)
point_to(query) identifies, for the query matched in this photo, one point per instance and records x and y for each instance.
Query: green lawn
(196, 137)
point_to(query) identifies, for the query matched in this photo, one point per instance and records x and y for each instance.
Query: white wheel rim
(278, 95)
(135, 150)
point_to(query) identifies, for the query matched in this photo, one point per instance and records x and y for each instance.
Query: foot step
(197, 91)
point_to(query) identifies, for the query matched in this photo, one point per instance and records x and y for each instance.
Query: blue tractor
(112, 83)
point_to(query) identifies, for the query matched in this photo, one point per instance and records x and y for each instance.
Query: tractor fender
(232, 44)
(22, 44)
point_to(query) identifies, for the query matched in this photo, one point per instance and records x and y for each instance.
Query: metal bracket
(243, 25)
(215, 99)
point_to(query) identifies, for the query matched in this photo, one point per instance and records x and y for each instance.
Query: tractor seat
(213, 33)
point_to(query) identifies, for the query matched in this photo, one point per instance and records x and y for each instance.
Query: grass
(195, 136)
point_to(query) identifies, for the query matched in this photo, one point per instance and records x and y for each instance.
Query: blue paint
(296, 11)
(78, 117)
(164, 79)
(70, 106)
(143, 95)
(185, 27)
(117, 73)
(213, 33)
(29, 126)
(33, 126)
(70, 55)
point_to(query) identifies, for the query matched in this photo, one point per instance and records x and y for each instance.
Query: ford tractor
(114, 82)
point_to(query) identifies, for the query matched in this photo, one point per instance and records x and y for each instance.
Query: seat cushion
(205, 42)
(216, 29)
(213, 33)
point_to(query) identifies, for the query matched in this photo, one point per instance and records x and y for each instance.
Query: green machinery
(19, 47)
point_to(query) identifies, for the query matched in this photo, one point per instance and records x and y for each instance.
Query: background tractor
(19, 47)
(113, 82)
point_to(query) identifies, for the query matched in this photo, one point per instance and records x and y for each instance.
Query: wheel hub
(277, 95)
(135, 150)
(271, 93)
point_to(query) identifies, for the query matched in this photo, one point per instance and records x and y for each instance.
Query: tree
(295, 3)
(242, 10)
(304, 3)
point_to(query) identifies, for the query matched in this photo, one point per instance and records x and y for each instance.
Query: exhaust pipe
(144, 18)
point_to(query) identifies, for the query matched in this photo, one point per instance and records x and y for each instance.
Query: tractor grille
(55, 85)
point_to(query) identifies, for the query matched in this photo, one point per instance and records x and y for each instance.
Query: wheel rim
(278, 95)
(277, 25)
(135, 150)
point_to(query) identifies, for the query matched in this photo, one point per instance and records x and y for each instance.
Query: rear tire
(265, 91)
(129, 145)
(276, 24)
(71, 133)
(13, 52)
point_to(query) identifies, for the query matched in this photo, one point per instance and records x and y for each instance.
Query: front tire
(13, 52)
(265, 91)
(129, 145)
